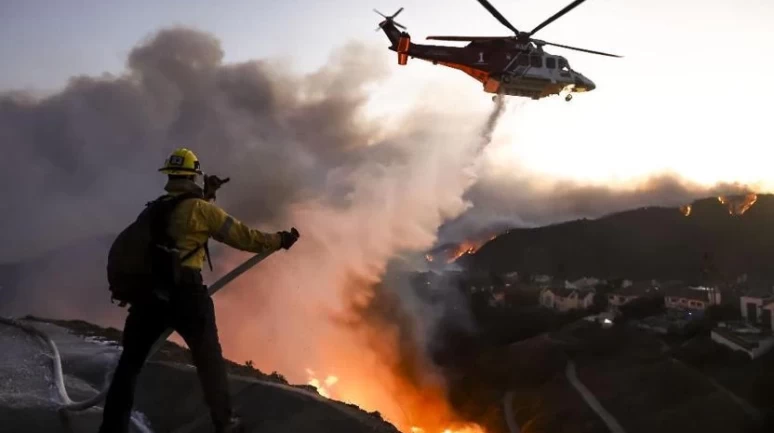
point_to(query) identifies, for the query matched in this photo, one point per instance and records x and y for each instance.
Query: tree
(643, 307)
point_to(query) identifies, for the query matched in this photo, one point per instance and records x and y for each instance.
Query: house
(758, 309)
(564, 299)
(511, 277)
(628, 293)
(588, 283)
(744, 338)
(497, 299)
(543, 279)
(697, 299)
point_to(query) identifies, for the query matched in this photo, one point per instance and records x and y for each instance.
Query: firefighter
(187, 308)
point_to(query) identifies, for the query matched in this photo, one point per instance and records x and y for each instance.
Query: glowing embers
(449, 254)
(324, 387)
(738, 205)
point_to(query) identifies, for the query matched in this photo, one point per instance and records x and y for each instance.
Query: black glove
(288, 238)
(211, 184)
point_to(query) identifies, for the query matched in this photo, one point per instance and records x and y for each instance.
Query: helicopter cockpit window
(563, 65)
(550, 63)
(536, 61)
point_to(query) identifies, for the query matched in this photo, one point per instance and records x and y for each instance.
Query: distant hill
(730, 236)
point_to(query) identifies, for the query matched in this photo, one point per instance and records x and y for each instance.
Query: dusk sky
(685, 98)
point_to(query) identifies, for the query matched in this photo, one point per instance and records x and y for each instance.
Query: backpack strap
(193, 251)
(169, 203)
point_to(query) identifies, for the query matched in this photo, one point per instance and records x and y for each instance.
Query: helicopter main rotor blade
(468, 38)
(498, 15)
(555, 16)
(537, 41)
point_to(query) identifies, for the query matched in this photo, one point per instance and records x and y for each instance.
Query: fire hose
(68, 403)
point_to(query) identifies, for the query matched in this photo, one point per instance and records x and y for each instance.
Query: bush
(722, 312)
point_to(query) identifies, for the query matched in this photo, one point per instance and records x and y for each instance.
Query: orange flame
(738, 205)
(357, 351)
(469, 428)
(466, 247)
(324, 388)
(686, 210)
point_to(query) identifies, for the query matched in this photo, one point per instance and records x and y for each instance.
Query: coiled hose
(68, 403)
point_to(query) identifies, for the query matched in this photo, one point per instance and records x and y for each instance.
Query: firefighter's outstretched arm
(232, 232)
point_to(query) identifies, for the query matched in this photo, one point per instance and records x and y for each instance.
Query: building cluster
(752, 334)
(677, 296)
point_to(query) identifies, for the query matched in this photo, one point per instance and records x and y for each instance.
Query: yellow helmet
(181, 162)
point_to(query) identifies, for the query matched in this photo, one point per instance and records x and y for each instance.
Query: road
(585, 393)
(749, 409)
(513, 427)
(588, 397)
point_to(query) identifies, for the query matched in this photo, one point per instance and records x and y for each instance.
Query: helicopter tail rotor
(390, 19)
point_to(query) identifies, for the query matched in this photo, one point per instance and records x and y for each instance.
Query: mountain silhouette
(718, 238)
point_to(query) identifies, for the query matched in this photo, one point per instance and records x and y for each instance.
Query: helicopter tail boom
(400, 41)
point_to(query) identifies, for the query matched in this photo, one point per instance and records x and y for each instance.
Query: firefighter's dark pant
(190, 312)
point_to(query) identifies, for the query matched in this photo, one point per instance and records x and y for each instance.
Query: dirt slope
(168, 395)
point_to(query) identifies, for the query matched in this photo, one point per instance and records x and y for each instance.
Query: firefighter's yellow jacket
(196, 220)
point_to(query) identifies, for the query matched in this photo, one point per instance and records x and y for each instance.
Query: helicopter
(505, 65)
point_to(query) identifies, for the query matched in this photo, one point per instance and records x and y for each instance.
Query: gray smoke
(83, 161)
(80, 164)
(299, 151)
(499, 203)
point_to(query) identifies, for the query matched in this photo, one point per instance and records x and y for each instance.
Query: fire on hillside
(738, 205)
(735, 204)
(450, 253)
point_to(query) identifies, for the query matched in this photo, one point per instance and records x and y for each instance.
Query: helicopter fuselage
(502, 66)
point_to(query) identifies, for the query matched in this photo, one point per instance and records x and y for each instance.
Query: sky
(685, 97)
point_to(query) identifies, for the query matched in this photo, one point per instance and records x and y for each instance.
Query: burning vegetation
(738, 205)
(389, 369)
(735, 204)
(467, 247)
(322, 387)
(433, 401)
(450, 254)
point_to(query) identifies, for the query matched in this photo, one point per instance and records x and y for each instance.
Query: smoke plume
(506, 200)
(300, 152)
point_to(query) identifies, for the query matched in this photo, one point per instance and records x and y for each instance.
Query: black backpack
(144, 258)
